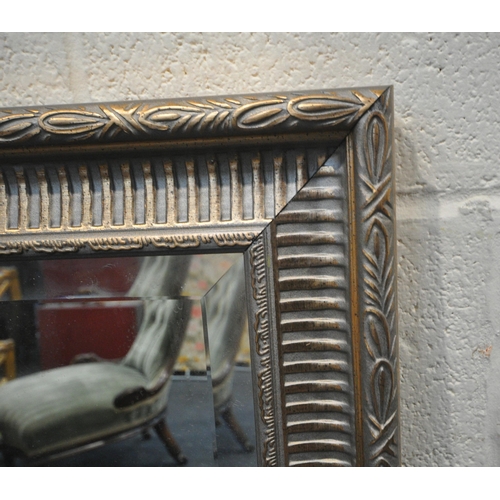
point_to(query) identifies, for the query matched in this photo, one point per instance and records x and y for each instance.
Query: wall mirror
(210, 279)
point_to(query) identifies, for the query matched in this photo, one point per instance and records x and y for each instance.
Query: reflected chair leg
(233, 424)
(146, 434)
(173, 448)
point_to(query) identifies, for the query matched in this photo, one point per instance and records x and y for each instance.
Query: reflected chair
(7, 360)
(9, 284)
(225, 311)
(66, 410)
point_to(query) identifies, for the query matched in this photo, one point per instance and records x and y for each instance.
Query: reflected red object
(80, 276)
(67, 328)
(196, 311)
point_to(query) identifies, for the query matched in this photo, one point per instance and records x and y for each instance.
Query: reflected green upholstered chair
(63, 410)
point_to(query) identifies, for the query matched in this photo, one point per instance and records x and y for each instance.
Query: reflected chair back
(160, 282)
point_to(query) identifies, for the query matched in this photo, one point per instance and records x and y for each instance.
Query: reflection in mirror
(112, 351)
(225, 322)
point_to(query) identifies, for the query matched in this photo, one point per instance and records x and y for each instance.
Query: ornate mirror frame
(302, 182)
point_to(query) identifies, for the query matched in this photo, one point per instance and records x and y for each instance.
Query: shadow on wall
(421, 326)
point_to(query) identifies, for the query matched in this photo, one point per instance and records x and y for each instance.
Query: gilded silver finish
(372, 167)
(220, 199)
(311, 269)
(302, 182)
(214, 116)
(265, 374)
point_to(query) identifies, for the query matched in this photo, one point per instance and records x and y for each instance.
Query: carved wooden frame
(302, 182)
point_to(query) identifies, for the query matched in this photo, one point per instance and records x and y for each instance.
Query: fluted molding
(302, 182)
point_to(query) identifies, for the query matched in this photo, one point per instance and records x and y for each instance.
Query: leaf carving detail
(373, 152)
(382, 385)
(260, 114)
(13, 128)
(71, 122)
(322, 107)
(213, 115)
(378, 338)
(18, 127)
(377, 146)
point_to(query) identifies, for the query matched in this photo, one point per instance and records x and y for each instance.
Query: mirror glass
(127, 361)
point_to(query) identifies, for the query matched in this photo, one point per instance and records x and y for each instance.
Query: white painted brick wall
(447, 97)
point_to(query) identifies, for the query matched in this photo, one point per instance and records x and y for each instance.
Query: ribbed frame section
(311, 275)
(231, 188)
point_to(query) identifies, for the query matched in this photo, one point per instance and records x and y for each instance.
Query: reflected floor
(189, 427)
